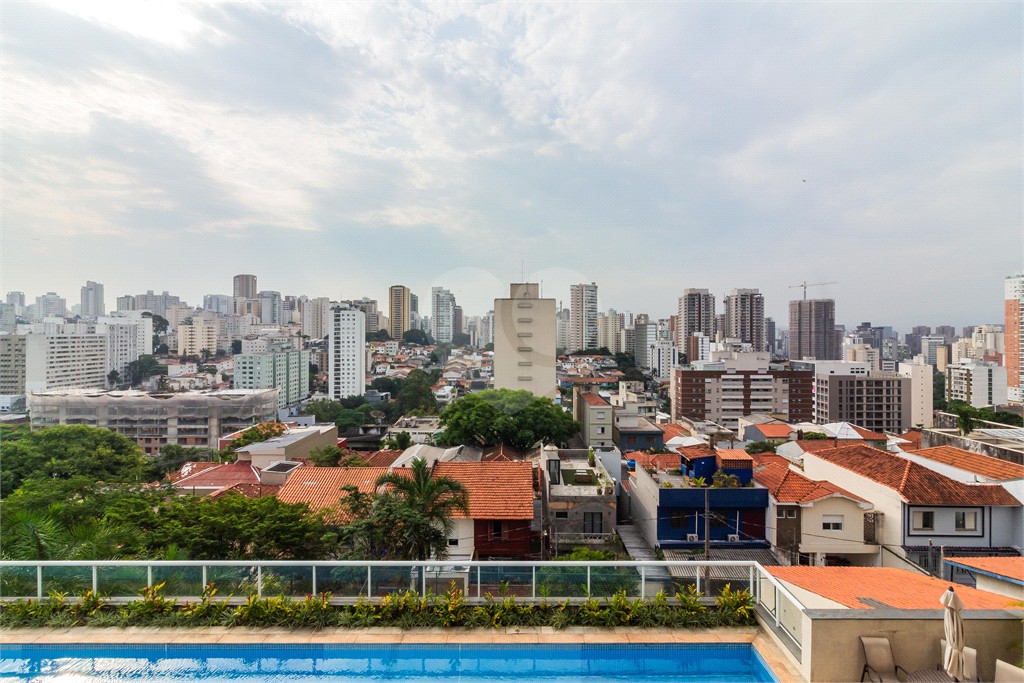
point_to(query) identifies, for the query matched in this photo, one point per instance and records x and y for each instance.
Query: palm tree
(35, 535)
(435, 499)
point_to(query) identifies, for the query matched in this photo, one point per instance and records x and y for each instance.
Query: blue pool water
(405, 663)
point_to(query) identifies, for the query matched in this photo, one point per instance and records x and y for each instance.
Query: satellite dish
(377, 415)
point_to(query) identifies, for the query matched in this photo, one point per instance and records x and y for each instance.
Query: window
(453, 541)
(791, 513)
(554, 472)
(832, 522)
(718, 520)
(780, 513)
(600, 415)
(593, 522)
(497, 529)
(561, 514)
(924, 521)
(966, 521)
(677, 519)
(600, 430)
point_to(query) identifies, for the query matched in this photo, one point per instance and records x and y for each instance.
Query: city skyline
(473, 139)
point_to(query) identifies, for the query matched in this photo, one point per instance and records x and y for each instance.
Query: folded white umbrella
(953, 657)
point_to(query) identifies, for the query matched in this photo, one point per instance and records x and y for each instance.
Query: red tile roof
(593, 399)
(1012, 567)
(662, 461)
(914, 438)
(774, 431)
(985, 465)
(787, 486)
(497, 490)
(733, 458)
(762, 459)
(248, 490)
(694, 452)
(899, 588)
(502, 454)
(190, 468)
(915, 483)
(221, 476)
(321, 486)
(674, 430)
(815, 445)
(381, 458)
(868, 434)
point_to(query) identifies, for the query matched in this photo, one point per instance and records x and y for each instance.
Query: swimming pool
(639, 663)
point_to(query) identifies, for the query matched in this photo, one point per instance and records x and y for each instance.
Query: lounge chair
(1008, 673)
(878, 662)
(970, 662)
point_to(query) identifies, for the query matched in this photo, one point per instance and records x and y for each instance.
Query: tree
(386, 385)
(461, 339)
(489, 346)
(1007, 418)
(380, 335)
(418, 337)
(113, 377)
(603, 351)
(42, 535)
(434, 499)
(634, 375)
(815, 436)
(966, 420)
(505, 417)
(160, 324)
(64, 452)
(332, 456)
(939, 391)
(399, 442)
(760, 447)
(145, 366)
(255, 434)
(236, 346)
(416, 394)
(162, 349)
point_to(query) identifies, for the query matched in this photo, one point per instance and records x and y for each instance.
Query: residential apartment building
(696, 315)
(524, 341)
(744, 317)
(582, 317)
(286, 370)
(244, 286)
(92, 300)
(221, 304)
(316, 318)
(399, 311)
(723, 393)
(70, 357)
(562, 328)
(50, 305)
(1013, 331)
(155, 303)
(442, 315)
(698, 347)
(879, 402)
(664, 356)
(271, 308)
(930, 349)
(197, 336)
(976, 382)
(347, 348)
(921, 390)
(864, 353)
(769, 335)
(126, 303)
(596, 418)
(12, 364)
(609, 325)
(812, 324)
(645, 336)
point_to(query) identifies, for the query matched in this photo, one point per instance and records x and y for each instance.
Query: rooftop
(882, 587)
(320, 487)
(593, 399)
(984, 465)
(218, 476)
(788, 486)
(497, 490)
(774, 431)
(915, 483)
(290, 436)
(1005, 567)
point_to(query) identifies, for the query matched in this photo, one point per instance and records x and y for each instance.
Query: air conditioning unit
(692, 538)
(734, 538)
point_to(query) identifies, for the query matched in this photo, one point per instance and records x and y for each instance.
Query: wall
(991, 584)
(464, 530)
(514, 542)
(832, 650)
(643, 495)
(849, 540)
(931, 438)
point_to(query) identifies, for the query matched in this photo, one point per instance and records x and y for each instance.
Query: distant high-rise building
(769, 335)
(271, 308)
(562, 328)
(196, 337)
(582, 317)
(458, 324)
(347, 349)
(946, 331)
(399, 311)
(371, 313)
(696, 314)
(930, 349)
(1012, 333)
(16, 298)
(442, 315)
(414, 303)
(922, 330)
(92, 300)
(720, 329)
(608, 328)
(744, 317)
(316, 318)
(968, 332)
(524, 341)
(50, 305)
(284, 368)
(244, 286)
(812, 330)
(126, 303)
(155, 303)
(221, 304)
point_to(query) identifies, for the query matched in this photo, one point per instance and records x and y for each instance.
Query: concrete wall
(931, 438)
(643, 495)
(1012, 591)
(849, 540)
(832, 650)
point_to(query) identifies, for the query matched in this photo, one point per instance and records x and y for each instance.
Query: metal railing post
(95, 579)
(369, 580)
(149, 576)
(314, 579)
(699, 572)
(424, 570)
(204, 578)
(39, 581)
(588, 581)
(533, 583)
(753, 593)
(643, 582)
(259, 581)
(478, 582)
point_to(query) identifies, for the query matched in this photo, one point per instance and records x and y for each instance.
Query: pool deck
(783, 669)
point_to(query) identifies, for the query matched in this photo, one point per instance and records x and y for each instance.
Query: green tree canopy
(760, 447)
(815, 436)
(379, 336)
(505, 417)
(416, 394)
(67, 451)
(460, 339)
(416, 337)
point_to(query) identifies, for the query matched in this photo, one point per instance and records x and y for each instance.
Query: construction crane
(816, 284)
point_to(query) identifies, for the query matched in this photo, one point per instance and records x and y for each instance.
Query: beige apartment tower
(524, 341)
(400, 301)
(244, 286)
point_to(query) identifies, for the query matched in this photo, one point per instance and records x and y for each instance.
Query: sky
(337, 149)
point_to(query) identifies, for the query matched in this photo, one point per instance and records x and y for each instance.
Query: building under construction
(155, 419)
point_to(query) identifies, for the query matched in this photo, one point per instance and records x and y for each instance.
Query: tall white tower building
(347, 351)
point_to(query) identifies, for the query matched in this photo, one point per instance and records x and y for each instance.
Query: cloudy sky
(334, 150)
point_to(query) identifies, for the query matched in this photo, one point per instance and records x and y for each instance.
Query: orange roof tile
(774, 431)
(221, 475)
(914, 438)
(321, 486)
(694, 452)
(247, 490)
(190, 468)
(1012, 567)
(898, 588)
(674, 430)
(497, 490)
(381, 458)
(985, 465)
(762, 459)
(868, 434)
(661, 461)
(915, 483)
(733, 458)
(502, 454)
(788, 486)
(594, 399)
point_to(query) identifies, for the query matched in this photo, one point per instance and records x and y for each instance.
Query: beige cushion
(878, 655)
(1008, 673)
